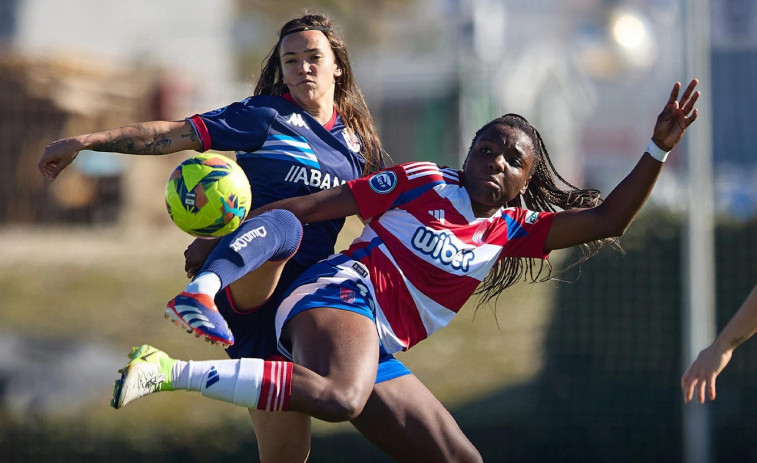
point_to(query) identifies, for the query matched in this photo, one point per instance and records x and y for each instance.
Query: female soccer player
(433, 236)
(700, 376)
(307, 128)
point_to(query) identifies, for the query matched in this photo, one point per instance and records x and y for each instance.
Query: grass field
(107, 286)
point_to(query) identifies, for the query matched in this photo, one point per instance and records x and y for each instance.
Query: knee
(347, 403)
(285, 220)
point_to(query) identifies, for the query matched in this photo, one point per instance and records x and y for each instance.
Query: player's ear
(338, 72)
(525, 186)
(465, 162)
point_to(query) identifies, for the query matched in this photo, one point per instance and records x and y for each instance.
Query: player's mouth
(491, 183)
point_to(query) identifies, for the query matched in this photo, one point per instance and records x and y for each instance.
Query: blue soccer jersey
(285, 153)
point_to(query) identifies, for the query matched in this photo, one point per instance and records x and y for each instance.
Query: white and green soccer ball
(208, 195)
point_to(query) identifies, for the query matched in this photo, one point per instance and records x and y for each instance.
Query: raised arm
(156, 137)
(701, 375)
(612, 217)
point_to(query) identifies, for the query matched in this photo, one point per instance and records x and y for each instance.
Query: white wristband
(656, 152)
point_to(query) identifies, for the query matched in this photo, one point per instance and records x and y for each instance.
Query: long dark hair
(547, 191)
(348, 98)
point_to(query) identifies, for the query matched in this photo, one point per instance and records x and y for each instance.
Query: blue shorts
(320, 286)
(255, 333)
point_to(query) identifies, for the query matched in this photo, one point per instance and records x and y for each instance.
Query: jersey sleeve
(396, 186)
(378, 192)
(524, 232)
(240, 126)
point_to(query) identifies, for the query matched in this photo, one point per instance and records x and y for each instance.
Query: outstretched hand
(701, 375)
(676, 117)
(57, 156)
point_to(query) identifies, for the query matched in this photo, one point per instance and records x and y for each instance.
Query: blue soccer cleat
(198, 314)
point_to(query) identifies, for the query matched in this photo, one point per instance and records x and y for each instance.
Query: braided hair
(348, 98)
(547, 191)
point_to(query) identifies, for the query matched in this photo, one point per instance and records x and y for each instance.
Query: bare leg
(335, 354)
(255, 288)
(405, 420)
(282, 437)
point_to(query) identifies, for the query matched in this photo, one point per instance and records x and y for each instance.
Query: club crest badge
(353, 143)
(346, 295)
(480, 233)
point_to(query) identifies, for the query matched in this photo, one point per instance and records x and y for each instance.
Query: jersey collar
(328, 125)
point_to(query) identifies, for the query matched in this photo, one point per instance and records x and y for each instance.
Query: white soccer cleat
(147, 371)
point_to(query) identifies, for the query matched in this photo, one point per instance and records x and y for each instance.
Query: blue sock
(272, 235)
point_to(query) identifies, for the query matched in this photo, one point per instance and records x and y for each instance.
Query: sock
(204, 283)
(248, 382)
(272, 235)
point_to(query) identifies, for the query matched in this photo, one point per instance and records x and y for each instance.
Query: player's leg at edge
(404, 419)
(272, 236)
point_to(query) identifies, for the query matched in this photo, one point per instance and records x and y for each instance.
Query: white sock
(236, 381)
(181, 371)
(239, 381)
(205, 283)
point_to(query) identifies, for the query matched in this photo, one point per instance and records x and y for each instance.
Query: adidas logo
(438, 214)
(193, 316)
(212, 377)
(296, 120)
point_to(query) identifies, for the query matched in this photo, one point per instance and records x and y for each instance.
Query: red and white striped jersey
(425, 250)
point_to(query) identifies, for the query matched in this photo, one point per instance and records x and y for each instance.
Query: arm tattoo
(137, 139)
(191, 135)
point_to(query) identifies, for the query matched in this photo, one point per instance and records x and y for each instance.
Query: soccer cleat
(198, 314)
(148, 370)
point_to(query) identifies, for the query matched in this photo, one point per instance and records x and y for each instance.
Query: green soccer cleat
(148, 371)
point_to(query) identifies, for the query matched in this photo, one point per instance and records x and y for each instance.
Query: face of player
(498, 168)
(309, 67)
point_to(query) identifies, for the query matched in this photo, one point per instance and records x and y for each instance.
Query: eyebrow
(499, 141)
(309, 50)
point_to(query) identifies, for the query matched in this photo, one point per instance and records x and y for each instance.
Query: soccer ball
(208, 195)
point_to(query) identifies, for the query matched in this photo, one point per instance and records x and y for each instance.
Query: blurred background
(582, 369)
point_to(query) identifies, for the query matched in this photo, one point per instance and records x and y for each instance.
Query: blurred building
(43, 99)
(591, 74)
(734, 66)
(86, 65)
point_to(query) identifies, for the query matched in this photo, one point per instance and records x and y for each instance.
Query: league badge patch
(383, 182)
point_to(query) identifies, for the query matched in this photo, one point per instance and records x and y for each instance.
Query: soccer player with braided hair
(544, 194)
(433, 236)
